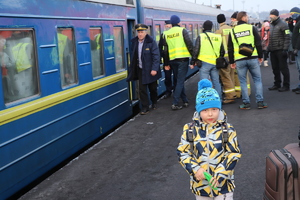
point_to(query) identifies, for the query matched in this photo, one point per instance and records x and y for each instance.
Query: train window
(18, 64)
(66, 48)
(97, 51)
(119, 48)
(200, 29)
(157, 33)
(191, 31)
(196, 32)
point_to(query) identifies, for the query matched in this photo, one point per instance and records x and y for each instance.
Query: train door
(132, 85)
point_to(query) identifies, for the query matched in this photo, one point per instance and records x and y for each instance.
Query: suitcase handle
(299, 136)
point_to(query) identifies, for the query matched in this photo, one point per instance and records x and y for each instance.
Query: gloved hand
(295, 52)
(284, 53)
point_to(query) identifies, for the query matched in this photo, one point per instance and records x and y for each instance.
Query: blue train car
(63, 66)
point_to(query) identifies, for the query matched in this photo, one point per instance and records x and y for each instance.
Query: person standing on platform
(235, 76)
(208, 47)
(144, 66)
(177, 48)
(202, 150)
(168, 70)
(247, 35)
(226, 74)
(278, 48)
(265, 35)
(295, 15)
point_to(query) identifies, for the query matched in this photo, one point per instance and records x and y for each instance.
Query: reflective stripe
(237, 87)
(229, 90)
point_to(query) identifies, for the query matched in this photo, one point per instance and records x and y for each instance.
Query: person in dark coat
(145, 67)
(279, 43)
(295, 15)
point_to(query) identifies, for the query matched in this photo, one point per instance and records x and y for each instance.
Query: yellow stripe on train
(12, 114)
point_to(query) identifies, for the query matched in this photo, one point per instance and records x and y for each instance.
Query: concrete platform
(138, 160)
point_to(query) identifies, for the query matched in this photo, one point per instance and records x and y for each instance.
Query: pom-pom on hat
(174, 19)
(221, 18)
(274, 12)
(207, 97)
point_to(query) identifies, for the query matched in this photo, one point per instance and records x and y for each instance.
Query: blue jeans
(298, 65)
(253, 66)
(209, 70)
(180, 69)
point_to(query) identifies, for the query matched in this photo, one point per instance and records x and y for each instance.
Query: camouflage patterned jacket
(210, 155)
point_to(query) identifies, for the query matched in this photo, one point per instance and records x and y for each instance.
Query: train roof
(183, 6)
(131, 3)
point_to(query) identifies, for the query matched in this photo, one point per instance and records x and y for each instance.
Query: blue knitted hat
(174, 19)
(207, 97)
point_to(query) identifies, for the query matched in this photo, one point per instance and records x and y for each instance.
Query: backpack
(190, 135)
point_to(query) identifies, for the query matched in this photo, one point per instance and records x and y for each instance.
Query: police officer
(247, 34)
(208, 47)
(145, 67)
(278, 48)
(168, 70)
(177, 48)
(226, 74)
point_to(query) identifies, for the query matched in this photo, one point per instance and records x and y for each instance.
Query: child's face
(210, 115)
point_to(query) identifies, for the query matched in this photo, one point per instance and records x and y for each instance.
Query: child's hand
(199, 174)
(214, 182)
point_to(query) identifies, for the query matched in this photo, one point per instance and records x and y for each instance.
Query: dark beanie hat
(295, 10)
(274, 12)
(207, 25)
(234, 14)
(221, 18)
(174, 19)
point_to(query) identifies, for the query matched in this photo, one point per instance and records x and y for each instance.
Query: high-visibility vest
(176, 45)
(62, 42)
(21, 57)
(207, 52)
(225, 34)
(97, 39)
(244, 34)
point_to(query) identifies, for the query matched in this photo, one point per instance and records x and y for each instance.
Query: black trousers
(170, 85)
(280, 66)
(143, 91)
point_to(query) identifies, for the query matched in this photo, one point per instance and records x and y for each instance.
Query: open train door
(132, 85)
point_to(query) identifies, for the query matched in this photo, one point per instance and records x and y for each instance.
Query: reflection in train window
(18, 64)
(200, 29)
(66, 48)
(97, 51)
(149, 32)
(191, 31)
(157, 33)
(196, 32)
(119, 48)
